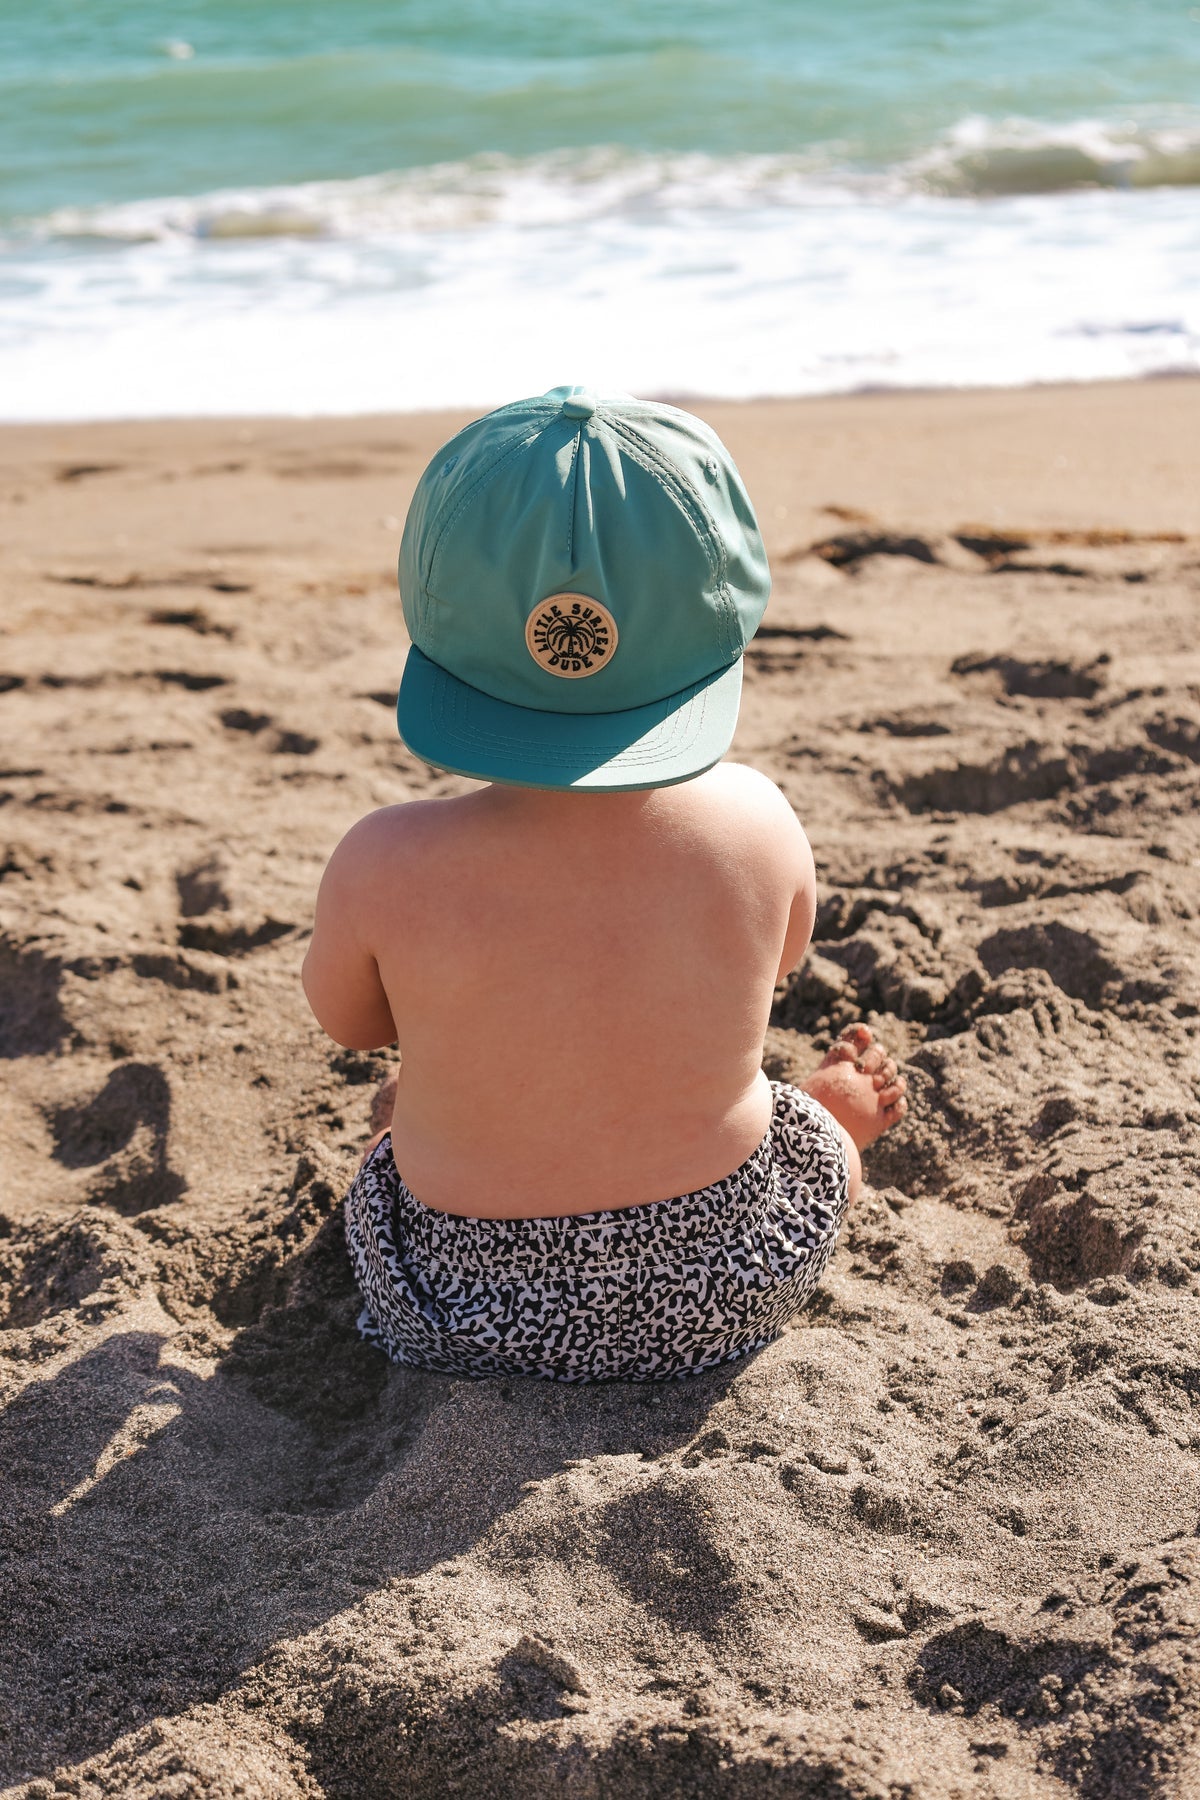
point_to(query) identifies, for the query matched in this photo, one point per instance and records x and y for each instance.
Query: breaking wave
(977, 159)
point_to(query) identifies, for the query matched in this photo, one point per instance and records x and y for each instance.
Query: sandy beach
(941, 1541)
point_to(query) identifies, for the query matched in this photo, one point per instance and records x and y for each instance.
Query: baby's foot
(859, 1085)
(382, 1107)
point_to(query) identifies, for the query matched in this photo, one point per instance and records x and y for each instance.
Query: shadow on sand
(162, 1531)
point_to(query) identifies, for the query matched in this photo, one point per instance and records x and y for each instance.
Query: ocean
(280, 206)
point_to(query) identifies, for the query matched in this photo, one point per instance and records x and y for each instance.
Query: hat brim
(446, 722)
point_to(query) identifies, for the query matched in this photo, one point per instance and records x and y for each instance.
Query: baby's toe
(871, 1060)
(859, 1035)
(895, 1090)
(897, 1110)
(885, 1074)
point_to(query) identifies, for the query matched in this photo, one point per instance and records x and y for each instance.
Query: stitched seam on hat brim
(446, 685)
(446, 709)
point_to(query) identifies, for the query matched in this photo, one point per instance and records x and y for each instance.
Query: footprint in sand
(209, 919)
(194, 618)
(778, 649)
(279, 741)
(204, 888)
(849, 549)
(122, 1134)
(32, 1022)
(1021, 772)
(81, 471)
(1074, 960)
(1038, 680)
(194, 680)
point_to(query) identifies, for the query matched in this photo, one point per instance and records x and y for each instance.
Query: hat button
(579, 405)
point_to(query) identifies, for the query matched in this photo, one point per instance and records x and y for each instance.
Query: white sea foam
(563, 187)
(467, 283)
(978, 158)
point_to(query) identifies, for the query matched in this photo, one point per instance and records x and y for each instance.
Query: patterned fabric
(639, 1293)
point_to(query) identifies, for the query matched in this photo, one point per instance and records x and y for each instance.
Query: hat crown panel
(621, 506)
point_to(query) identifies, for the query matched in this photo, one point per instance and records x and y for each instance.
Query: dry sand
(939, 1540)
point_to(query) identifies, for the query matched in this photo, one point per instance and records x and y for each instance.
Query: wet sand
(941, 1540)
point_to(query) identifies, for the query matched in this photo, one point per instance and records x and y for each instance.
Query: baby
(585, 1173)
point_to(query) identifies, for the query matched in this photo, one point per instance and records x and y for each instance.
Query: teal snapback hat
(580, 574)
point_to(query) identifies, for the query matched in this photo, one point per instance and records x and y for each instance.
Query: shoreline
(696, 400)
(1117, 454)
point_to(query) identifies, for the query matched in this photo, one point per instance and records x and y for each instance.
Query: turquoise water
(650, 185)
(94, 107)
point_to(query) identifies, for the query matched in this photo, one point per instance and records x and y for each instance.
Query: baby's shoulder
(751, 793)
(408, 834)
(741, 814)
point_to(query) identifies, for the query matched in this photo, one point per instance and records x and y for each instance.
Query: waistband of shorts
(688, 1222)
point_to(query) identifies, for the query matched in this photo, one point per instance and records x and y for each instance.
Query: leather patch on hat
(571, 635)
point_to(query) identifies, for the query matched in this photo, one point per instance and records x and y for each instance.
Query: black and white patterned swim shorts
(639, 1293)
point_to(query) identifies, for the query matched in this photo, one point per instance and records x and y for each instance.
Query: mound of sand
(941, 1539)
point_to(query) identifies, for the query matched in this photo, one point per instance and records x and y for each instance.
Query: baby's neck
(562, 806)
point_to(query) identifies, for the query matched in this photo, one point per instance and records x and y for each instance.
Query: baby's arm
(772, 841)
(341, 976)
(800, 871)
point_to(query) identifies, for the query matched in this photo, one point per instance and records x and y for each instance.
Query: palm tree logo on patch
(571, 635)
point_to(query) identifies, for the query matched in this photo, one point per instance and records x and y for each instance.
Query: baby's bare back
(579, 984)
